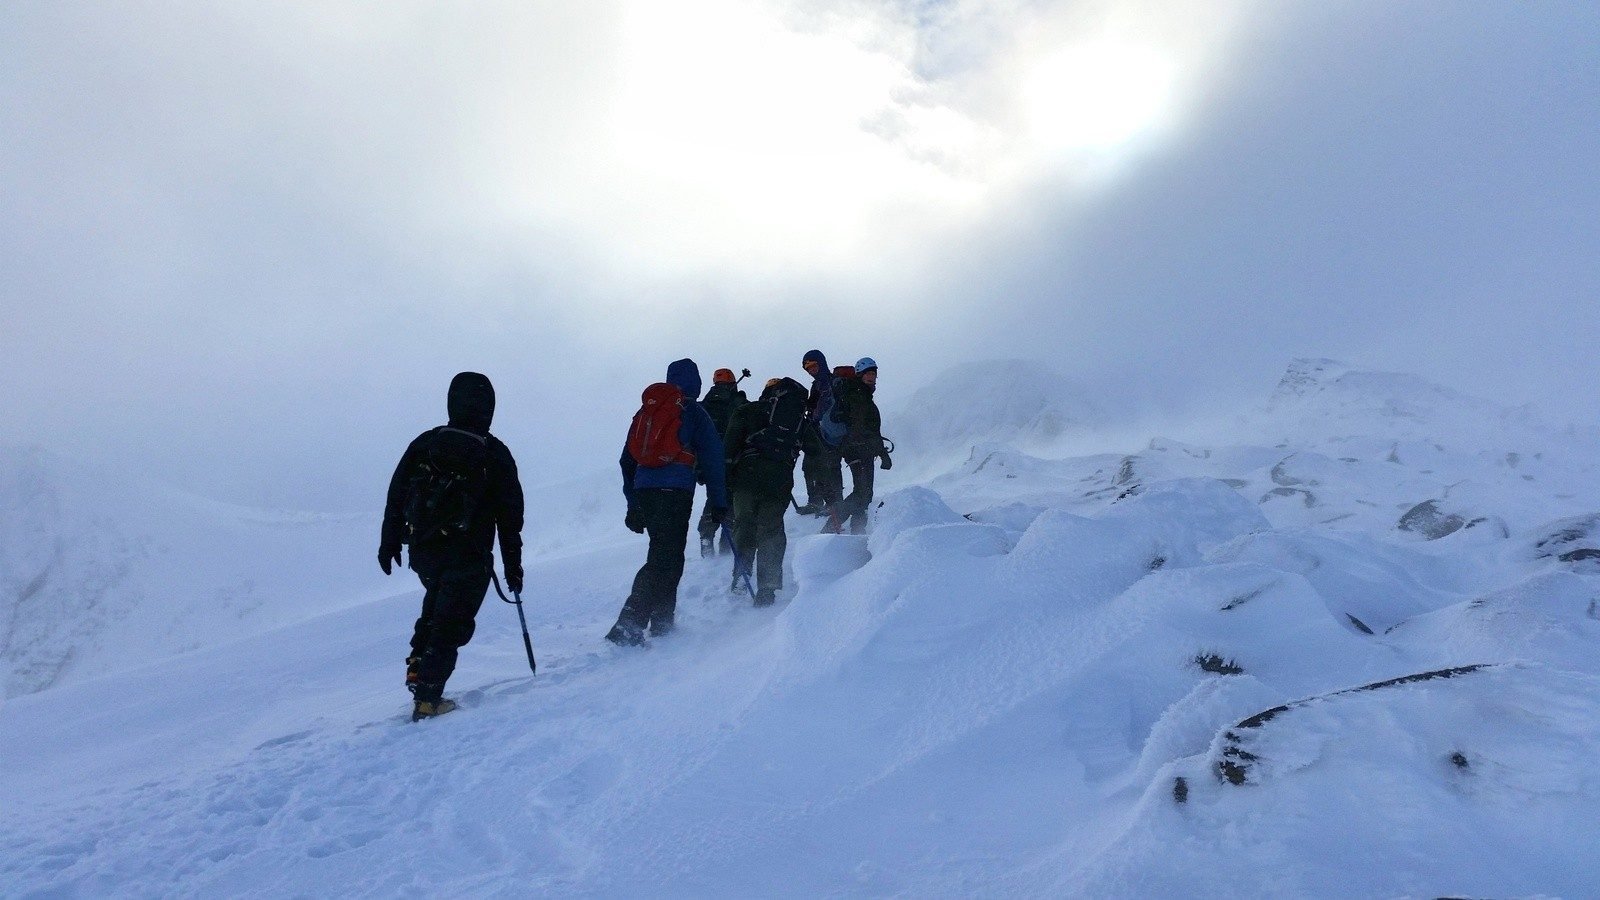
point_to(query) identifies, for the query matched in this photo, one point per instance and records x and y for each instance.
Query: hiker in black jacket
(455, 487)
(720, 403)
(863, 444)
(763, 442)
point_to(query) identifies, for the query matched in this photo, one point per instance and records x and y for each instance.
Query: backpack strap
(475, 436)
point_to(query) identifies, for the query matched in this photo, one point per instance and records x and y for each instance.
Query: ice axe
(743, 374)
(527, 642)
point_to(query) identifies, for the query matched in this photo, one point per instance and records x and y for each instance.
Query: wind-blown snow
(1246, 669)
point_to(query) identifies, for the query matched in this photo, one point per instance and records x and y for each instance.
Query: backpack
(653, 438)
(447, 485)
(720, 402)
(830, 413)
(779, 419)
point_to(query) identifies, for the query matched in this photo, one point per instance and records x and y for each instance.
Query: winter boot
(813, 508)
(766, 597)
(708, 548)
(835, 523)
(625, 634)
(425, 709)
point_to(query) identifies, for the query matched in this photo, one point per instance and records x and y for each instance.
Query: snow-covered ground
(1345, 647)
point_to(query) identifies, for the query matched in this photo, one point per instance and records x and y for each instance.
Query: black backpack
(777, 420)
(720, 402)
(447, 485)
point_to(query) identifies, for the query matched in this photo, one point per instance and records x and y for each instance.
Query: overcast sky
(247, 245)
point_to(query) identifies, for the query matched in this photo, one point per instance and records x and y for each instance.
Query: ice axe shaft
(527, 642)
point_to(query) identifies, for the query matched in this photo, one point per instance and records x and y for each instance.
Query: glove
(514, 580)
(634, 520)
(887, 463)
(717, 514)
(388, 556)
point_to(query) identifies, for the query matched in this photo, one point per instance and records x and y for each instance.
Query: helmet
(865, 364)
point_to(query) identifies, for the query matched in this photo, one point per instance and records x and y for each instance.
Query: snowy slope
(1136, 674)
(99, 573)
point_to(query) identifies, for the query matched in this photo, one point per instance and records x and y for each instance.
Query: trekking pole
(527, 642)
(739, 569)
(793, 502)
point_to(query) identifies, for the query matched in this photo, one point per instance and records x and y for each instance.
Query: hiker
(455, 487)
(671, 436)
(764, 439)
(824, 482)
(720, 403)
(863, 444)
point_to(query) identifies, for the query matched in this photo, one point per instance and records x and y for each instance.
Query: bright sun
(731, 130)
(1098, 97)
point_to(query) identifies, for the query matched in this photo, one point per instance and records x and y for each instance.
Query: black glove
(887, 463)
(388, 556)
(514, 579)
(635, 520)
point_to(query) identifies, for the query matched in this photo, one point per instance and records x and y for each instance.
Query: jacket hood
(471, 402)
(821, 361)
(782, 386)
(685, 375)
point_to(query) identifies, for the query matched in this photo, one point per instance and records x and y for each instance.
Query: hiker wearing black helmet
(863, 445)
(721, 401)
(764, 439)
(672, 443)
(824, 482)
(455, 488)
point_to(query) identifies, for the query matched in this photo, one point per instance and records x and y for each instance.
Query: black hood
(471, 402)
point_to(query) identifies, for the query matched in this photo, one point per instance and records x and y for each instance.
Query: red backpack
(653, 439)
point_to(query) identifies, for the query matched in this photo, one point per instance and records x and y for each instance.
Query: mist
(249, 247)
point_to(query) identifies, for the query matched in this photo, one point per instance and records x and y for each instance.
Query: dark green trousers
(759, 540)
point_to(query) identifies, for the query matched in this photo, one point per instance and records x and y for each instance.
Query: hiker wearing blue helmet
(862, 446)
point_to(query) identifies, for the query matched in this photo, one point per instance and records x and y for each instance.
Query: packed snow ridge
(1352, 653)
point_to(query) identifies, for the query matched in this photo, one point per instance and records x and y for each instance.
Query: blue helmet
(865, 364)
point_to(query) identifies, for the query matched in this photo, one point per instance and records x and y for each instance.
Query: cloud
(270, 228)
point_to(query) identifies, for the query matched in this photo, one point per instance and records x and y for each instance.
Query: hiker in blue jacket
(824, 478)
(660, 501)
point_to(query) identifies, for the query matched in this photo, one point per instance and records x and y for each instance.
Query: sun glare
(1098, 97)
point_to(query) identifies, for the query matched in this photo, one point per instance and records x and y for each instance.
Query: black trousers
(759, 538)
(708, 529)
(448, 619)
(824, 481)
(653, 602)
(854, 507)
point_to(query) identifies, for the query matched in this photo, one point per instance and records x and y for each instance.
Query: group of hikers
(456, 488)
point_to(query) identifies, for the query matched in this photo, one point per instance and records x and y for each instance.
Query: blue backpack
(830, 412)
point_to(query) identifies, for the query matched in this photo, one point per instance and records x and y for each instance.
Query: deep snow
(1038, 676)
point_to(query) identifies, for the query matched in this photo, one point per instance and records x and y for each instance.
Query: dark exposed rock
(1236, 483)
(1459, 759)
(1180, 790)
(1235, 761)
(1242, 599)
(1306, 497)
(1428, 520)
(1215, 664)
(1360, 625)
(1570, 540)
